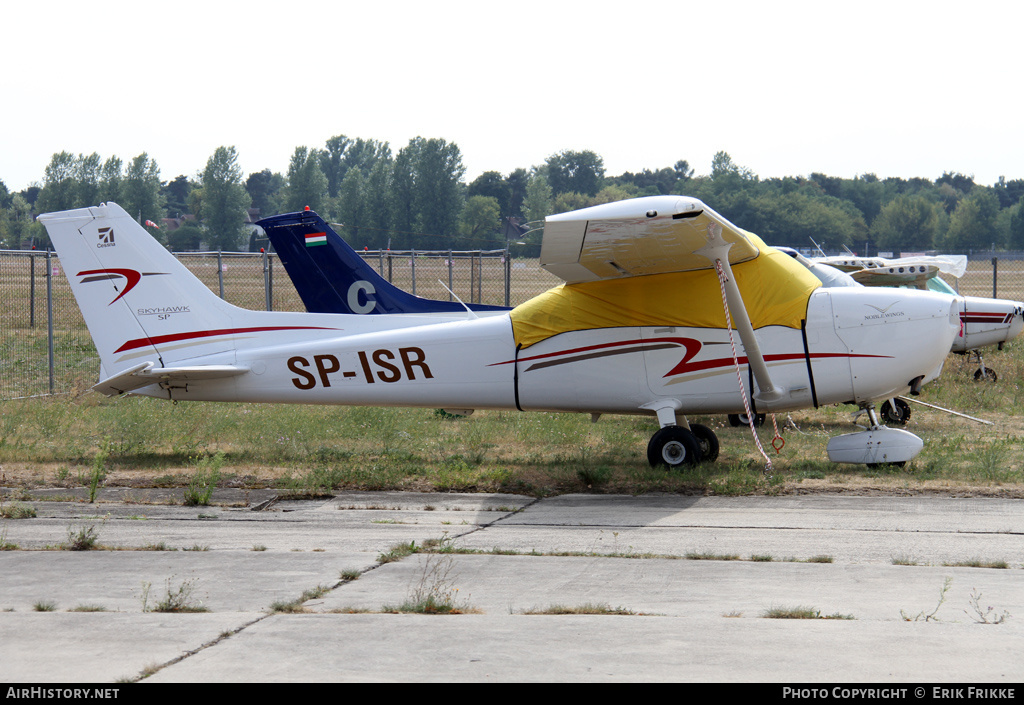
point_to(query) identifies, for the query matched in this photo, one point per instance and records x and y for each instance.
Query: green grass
(319, 450)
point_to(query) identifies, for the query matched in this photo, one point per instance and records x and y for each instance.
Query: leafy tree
(537, 205)
(795, 217)
(438, 196)
(266, 188)
(1009, 192)
(351, 208)
(331, 163)
(224, 200)
(140, 189)
(480, 221)
(867, 193)
(175, 195)
(492, 184)
(1016, 234)
(517, 182)
(88, 174)
(341, 154)
(187, 237)
(402, 197)
(307, 184)
(570, 201)
(973, 224)
(377, 201)
(579, 172)
(111, 180)
(60, 185)
(906, 223)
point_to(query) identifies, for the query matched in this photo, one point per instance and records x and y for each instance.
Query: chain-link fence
(45, 347)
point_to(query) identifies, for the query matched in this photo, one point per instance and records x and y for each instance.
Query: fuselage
(855, 345)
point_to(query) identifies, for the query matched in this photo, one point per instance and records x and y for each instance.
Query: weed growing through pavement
(83, 538)
(801, 613)
(297, 606)
(434, 592)
(987, 615)
(16, 510)
(930, 617)
(175, 600)
(586, 608)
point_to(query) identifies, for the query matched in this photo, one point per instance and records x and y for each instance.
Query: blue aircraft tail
(332, 278)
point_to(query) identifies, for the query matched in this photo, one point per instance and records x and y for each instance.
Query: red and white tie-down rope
(739, 375)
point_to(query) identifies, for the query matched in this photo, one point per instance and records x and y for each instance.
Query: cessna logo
(883, 312)
(131, 277)
(106, 236)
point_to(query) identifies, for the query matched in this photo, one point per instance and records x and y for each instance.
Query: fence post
(450, 289)
(32, 292)
(472, 278)
(412, 263)
(508, 276)
(220, 273)
(266, 279)
(49, 316)
(995, 272)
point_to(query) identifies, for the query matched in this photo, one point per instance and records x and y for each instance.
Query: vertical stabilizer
(143, 306)
(331, 277)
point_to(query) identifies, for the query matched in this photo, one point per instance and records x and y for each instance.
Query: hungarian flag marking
(313, 239)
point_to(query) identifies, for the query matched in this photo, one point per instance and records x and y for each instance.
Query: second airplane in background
(331, 277)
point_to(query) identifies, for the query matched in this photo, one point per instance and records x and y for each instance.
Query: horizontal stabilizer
(147, 373)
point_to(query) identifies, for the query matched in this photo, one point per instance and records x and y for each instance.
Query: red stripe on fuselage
(174, 337)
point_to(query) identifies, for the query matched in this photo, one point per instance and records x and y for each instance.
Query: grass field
(63, 440)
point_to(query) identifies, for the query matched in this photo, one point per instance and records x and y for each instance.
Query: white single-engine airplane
(641, 326)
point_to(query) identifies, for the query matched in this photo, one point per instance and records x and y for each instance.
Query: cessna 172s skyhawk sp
(640, 327)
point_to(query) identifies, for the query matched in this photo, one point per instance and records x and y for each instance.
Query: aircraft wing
(954, 265)
(651, 235)
(147, 373)
(916, 275)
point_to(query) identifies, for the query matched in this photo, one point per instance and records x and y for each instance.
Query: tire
(741, 420)
(673, 447)
(707, 441)
(898, 415)
(989, 375)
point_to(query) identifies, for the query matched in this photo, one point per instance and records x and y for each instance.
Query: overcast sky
(897, 88)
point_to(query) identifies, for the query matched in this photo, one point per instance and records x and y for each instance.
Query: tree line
(418, 198)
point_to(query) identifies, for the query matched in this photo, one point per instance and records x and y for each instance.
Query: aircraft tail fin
(142, 305)
(331, 277)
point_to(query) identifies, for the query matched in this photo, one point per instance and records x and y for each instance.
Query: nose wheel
(895, 411)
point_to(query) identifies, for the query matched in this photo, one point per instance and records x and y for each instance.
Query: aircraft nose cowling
(897, 338)
(988, 322)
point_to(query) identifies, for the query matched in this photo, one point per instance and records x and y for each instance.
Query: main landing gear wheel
(898, 415)
(673, 447)
(987, 374)
(743, 419)
(707, 440)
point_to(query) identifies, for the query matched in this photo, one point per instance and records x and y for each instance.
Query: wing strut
(717, 250)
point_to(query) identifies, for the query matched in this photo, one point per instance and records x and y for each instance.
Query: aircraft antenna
(470, 311)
